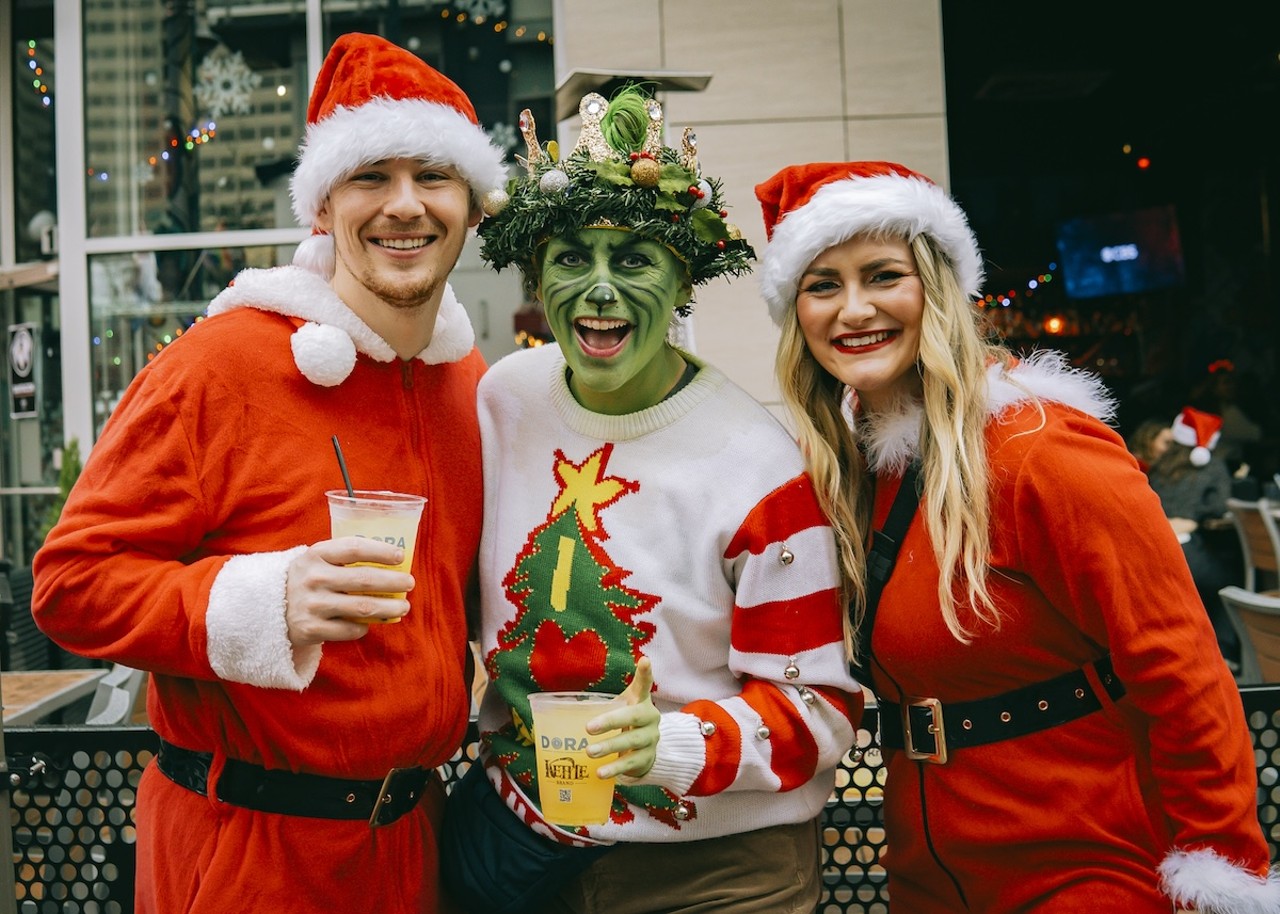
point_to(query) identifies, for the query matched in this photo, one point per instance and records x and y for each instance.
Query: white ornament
(705, 200)
(504, 136)
(226, 83)
(554, 181)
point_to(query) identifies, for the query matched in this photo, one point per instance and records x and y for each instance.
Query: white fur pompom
(315, 253)
(323, 353)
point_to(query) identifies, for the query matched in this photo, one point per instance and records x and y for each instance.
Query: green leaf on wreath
(675, 179)
(708, 225)
(618, 173)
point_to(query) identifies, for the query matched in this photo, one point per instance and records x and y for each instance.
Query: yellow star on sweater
(585, 488)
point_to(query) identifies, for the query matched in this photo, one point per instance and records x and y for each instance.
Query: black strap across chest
(885, 544)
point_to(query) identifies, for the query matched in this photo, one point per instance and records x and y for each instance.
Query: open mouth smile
(402, 244)
(865, 342)
(601, 337)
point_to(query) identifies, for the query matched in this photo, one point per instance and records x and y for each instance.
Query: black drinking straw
(342, 465)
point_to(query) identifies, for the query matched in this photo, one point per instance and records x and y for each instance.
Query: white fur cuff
(1206, 881)
(248, 638)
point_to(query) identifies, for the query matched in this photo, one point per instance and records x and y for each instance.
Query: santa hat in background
(1199, 431)
(809, 208)
(375, 101)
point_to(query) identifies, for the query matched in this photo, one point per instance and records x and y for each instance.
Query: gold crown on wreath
(618, 175)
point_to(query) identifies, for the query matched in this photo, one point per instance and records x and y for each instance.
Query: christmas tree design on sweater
(577, 624)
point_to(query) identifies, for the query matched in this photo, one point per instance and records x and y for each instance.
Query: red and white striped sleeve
(798, 708)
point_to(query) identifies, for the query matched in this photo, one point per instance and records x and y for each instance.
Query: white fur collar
(893, 439)
(325, 348)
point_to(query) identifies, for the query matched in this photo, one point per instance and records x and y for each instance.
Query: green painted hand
(637, 719)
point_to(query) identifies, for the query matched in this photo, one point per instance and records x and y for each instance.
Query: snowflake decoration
(504, 136)
(226, 83)
(478, 8)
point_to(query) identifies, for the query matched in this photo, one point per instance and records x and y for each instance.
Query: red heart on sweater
(566, 665)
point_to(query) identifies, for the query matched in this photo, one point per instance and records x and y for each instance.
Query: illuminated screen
(1119, 253)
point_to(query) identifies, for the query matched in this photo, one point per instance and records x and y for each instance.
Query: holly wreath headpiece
(619, 175)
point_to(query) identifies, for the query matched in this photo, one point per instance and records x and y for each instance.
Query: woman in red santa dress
(1059, 727)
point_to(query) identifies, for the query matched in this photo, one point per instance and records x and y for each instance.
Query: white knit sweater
(694, 539)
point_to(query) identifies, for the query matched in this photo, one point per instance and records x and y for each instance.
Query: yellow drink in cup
(391, 517)
(568, 789)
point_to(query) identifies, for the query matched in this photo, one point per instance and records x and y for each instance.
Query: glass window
(34, 182)
(166, 83)
(192, 121)
(142, 301)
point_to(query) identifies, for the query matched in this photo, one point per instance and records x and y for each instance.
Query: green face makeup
(609, 298)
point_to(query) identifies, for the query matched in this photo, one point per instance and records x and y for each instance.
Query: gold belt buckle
(383, 797)
(939, 754)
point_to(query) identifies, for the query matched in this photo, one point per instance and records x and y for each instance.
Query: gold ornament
(646, 172)
(495, 201)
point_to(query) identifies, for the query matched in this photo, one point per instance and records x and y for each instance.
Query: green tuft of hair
(626, 122)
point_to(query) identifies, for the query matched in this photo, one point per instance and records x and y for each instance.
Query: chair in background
(1256, 619)
(1259, 541)
(116, 698)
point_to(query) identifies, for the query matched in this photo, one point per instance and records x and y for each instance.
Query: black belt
(290, 793)
(927, 729)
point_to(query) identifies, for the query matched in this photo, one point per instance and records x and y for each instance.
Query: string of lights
(1010, 298)
(476, 13)
(37, 71)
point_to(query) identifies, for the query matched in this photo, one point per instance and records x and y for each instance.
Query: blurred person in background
(1148, 441)
(1194, 485)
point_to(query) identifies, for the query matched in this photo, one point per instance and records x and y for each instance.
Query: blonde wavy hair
(953, 360)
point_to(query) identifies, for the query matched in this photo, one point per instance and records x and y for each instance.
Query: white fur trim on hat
(891, 204)
(384, 128)
(248, 638)
(1204, 880)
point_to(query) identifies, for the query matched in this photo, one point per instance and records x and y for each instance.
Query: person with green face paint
(610, 296)
(650, 530)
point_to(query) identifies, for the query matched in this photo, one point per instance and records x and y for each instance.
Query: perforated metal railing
(71, 809)
(73, 834)
(1262, 711)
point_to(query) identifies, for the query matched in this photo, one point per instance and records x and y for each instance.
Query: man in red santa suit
(298, 740)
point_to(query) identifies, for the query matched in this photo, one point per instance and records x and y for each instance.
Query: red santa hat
(809, 208)
(372, 101)
(1199, 431)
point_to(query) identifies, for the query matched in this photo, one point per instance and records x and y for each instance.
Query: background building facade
(147, 155)
(146, 148)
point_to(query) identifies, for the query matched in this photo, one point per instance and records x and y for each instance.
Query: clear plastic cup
(391, 517)
(568, 790)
